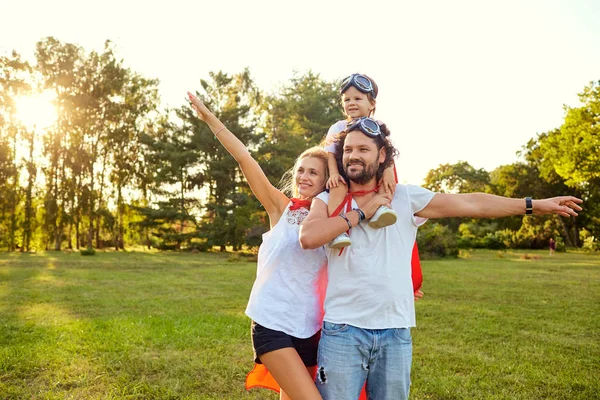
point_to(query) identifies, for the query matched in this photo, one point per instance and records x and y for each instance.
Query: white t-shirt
(287, 295)
(370, 284)
(332, 133)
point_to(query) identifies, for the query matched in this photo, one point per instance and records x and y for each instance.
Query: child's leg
(385, 216)
(336, 197)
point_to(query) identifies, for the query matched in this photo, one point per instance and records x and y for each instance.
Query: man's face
(361, 158)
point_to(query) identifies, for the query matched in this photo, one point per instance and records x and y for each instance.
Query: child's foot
(342, 240)
(384, 216)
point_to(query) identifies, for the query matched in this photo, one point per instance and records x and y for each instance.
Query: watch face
(528, 205)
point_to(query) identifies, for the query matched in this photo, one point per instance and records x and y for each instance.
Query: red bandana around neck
(299, 203)
(348, 200)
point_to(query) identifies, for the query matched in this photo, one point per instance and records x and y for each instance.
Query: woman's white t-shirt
(290, 282)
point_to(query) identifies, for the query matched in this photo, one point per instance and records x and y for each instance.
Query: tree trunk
(29, 197)
(566, 232)
(90, 235)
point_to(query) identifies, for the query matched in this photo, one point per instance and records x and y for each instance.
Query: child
(358, 100)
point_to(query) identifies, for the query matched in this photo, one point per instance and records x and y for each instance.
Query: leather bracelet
(528, 206)
(347, 221)
(361, 214)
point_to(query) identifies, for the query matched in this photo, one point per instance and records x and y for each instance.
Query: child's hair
(390, 151)
(288, 182)
(369, 97)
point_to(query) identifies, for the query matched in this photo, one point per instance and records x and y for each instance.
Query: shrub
(437, 240)
(87, 252)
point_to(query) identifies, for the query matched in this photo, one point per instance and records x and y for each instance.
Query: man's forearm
(319, 232)
(491, 206)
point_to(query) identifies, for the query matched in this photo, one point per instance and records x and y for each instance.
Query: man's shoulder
(408, 188)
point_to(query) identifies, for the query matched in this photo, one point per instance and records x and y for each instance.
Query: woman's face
(356, 103)
(310, 177)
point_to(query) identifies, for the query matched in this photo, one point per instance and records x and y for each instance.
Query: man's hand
(561, 205)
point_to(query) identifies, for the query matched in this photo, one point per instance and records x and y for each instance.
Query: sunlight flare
(36, 110)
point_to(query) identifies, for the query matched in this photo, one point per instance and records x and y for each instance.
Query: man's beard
(363, 177)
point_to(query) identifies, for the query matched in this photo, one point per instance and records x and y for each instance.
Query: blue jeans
(349, 356)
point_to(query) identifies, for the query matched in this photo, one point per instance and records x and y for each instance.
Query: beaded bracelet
(347, 221)
(361, 214)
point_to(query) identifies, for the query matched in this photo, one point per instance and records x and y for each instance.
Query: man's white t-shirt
(370, 284)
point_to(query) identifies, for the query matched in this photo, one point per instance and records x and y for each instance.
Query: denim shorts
(265, 340)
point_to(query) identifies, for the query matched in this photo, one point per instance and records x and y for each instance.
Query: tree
(231, 99)
(297, 117)
(174, 160)
(15, 75)
(573, 151)
(457, 178)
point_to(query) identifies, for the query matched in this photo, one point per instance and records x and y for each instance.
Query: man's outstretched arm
(482, 205)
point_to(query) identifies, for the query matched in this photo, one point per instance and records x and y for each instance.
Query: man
(369, 306)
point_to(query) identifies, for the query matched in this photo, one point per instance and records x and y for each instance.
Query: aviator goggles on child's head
(366, 125)
(359, 81)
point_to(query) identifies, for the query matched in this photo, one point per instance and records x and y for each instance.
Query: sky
(458, 80)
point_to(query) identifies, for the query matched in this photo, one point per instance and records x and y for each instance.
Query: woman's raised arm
(273, 200)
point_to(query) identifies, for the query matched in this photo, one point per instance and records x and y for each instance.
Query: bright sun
(36, 111)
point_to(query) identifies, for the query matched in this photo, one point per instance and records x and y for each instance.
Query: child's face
(356, 103)
(310, 177)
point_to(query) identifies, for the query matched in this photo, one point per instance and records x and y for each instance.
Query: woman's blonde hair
(288, 181)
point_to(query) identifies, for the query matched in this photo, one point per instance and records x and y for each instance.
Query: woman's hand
(199, 107)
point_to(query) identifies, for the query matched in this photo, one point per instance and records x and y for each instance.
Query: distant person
(552, 246)
(369, 305)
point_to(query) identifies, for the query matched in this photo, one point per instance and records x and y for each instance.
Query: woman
(285, 303)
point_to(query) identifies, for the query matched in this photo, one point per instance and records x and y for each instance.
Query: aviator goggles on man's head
(366, 125)
(359, 81)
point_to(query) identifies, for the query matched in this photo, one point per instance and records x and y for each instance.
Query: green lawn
(171, 326)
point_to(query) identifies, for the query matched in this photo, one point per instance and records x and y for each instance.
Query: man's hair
(390, 150)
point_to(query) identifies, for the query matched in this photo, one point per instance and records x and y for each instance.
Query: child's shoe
(342, 240)
(384, 216)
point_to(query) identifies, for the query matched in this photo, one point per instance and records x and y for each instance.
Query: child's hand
(388, 181)
(418, 295)
(334, 180)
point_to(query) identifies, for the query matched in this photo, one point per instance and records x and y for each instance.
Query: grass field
(171, 326)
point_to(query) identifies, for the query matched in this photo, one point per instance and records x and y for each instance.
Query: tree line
(117, 170)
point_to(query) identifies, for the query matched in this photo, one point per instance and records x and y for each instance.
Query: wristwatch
(528, 206)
